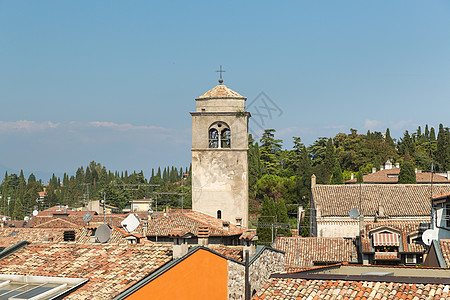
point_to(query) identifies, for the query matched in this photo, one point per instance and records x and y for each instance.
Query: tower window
(225, 138)
(213, 138)
(219, 135)
(219, 214)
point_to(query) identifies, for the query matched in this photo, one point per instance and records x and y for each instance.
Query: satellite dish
(35, 213)
(103, 233)
(26, 218)
(354, 213)
(130, 223)
(87, 217)
(428, 236)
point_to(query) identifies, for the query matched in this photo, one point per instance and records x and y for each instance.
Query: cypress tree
(282, 217)
(359, 178)
(389, 139)
(432, 134)
(337, 177)
(329, 161)
(267, 217)
(407, 174)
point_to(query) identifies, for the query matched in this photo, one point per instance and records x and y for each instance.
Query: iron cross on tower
(220, 71)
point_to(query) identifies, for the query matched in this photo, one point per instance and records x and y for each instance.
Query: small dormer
(386, 243)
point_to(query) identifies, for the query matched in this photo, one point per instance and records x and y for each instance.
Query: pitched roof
(406, 228)
(301, 253)
(221, 91)
(398, 200)
(296, 288)
(111, 269)
(191, 221)
(391, 176)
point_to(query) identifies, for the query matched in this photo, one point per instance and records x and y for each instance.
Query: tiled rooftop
(445, 248)
(220, 91)
(235, 252)
(110, 268)
(406, 228)
(292, 288)
(191, 222)
(301, 253)
(391, 176)
(398, 200)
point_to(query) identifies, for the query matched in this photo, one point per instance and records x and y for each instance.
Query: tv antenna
(87, 218)
(354, 214)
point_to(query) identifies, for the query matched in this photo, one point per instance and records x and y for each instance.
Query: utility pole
(156, 200)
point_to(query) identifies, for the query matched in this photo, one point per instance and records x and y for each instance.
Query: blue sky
(114, 81)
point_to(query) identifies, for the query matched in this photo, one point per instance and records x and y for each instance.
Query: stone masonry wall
(266, 264)
(236, 277)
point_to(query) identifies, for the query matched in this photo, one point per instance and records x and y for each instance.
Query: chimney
(374, 170)
(381, 168)
(397, 165)
(361, 225)
(203, 235)
(448, 175)
(380, 210)
(351, 176)
(415, 170)
(226, 225)
(313, 181)
(388, 165)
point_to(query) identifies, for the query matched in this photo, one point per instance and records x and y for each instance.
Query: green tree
(407, 174)
(282, 217)
(269, 152)
(359, 178)
(267, 217)
(337, 176)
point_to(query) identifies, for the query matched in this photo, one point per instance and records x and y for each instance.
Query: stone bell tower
(219, 155)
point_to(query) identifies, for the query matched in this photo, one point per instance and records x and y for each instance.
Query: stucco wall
(344, 227)
(220, 182)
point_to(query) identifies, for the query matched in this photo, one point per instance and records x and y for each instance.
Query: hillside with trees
(279, 179)
(285, 175)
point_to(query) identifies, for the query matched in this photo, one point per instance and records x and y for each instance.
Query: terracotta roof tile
(402, 200)
(406, 228)
(301, 253)
(391, 176)
(111, 269)
(445, 248)
(219, 92)
(192, 222)
(292, 288)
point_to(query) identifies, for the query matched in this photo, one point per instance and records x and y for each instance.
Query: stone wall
(236, 278)
(268, 263)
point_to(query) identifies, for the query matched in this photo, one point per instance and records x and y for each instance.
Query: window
(219, 214)
(447, 215)
(219, 135)
(36, 287)
(225, 138)
(213, 138)
(69, 236)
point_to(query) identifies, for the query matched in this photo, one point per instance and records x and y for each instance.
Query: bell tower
(219, 155)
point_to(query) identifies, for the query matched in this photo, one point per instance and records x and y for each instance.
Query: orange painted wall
(203, 275)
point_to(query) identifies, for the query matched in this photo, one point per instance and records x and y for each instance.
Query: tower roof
(221, 92)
